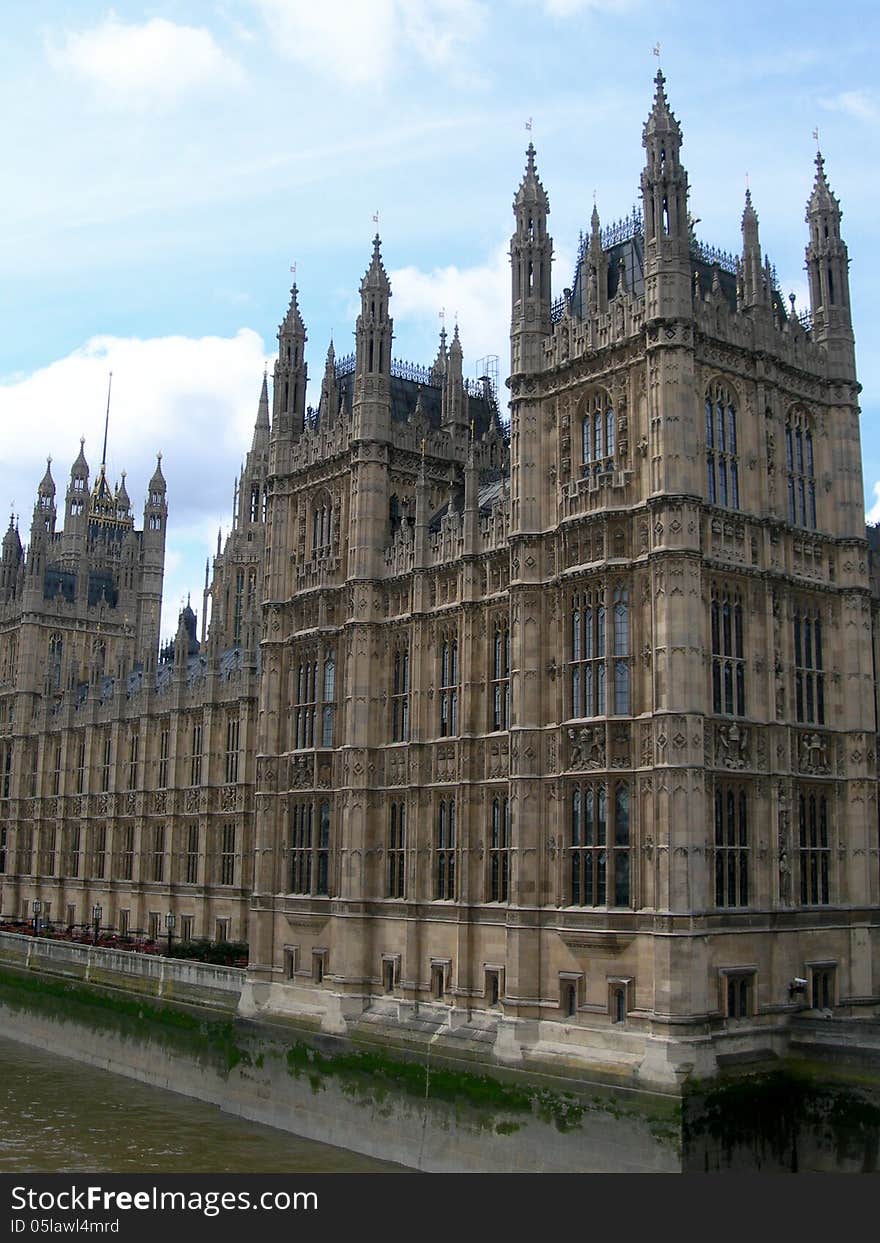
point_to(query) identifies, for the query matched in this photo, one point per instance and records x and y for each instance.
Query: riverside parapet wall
(173, 1024)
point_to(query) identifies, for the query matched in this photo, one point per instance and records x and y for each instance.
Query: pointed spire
(821, 199)
(530, 188)
(80, 468)
(375, 276)
(661, 119)
(122, 499)
(260, 443)
(47, 483)
(157, 482)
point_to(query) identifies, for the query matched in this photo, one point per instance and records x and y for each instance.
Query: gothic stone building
(566, 737)
(126, 783)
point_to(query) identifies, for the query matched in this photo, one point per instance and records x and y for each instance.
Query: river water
(60, 1116)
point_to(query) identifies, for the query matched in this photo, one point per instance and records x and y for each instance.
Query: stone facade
(566, 735)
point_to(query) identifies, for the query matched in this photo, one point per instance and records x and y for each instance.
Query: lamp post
(170, 921)
(97, 912)
(38, 906)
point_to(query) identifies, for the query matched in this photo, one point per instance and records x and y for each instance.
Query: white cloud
(357, 43)
(478, 296)
(145, 65)
(194, 398)
(858, 104)
(567, 8)
(873, 514)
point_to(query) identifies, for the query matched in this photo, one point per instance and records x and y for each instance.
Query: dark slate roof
(405, 394)
(488, 493)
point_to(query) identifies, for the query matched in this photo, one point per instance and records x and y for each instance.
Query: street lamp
(170, 921)
(38, 906)
(97, 912)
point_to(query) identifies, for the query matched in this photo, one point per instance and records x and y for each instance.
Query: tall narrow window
(328, 709)
(126, 854)
(800, 470)
(322, 526)
(722, 462)
(814, 848)
(397, 851)
(500, 689)
(306, 702)
(444, 854)
(227, 854)
(2, 850)
(195, 761)
(322, 869)
(191, 873)
(56, 767)
(400, 696)
(133, 751)
(106, 763)
(232, 730)
(6, 770)
(728, 664)
(589, 658)
(597, 434)
(81, 764)
(157, 870)
(99, 862)
(731, 847)
(449, 687)
(301, 848)
(595, 872)
(809, 679)
(74, 851)
(164, 733)
(621, 651)
(499, 851)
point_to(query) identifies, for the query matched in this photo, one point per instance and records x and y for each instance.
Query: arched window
(722, 463)
(499, 851)
(731, 847)
(501, 676)
(728, 664)
(600, 653)
(809, 677)
(597, 433)
(449, 687)
(397, 851)
(815, 850)
(800, 470)
(444, 853)
(329, 697)
(400, 696)
(599, 845)
(322, 525)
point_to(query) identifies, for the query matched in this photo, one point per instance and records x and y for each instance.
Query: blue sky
(165, 165)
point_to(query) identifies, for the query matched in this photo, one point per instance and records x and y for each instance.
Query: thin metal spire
(106, 424)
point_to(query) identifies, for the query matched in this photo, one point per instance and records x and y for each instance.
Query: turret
(664, 202)
(150, 594)
(291, 373)
(531, 256)
(10, 560)
(44, 509)
(755, 290)
(828, 274)
(453, 406)
(251, 486)
(329, 404)
(373, 336)
(77, 492)
(597, 269)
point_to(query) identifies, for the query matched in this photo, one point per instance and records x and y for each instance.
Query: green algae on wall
(786, 1119)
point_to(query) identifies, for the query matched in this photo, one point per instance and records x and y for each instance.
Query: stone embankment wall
(161, 1021)
(173, 1024)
